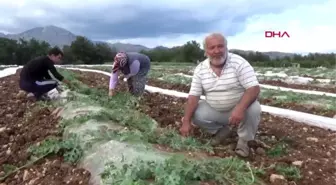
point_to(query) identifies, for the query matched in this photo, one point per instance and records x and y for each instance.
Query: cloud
(311, 29)
(127, 19)
(174, 22)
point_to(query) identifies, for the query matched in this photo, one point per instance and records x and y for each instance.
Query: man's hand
(111, 92)
(67, 83)
(237, 115)
(186, 127)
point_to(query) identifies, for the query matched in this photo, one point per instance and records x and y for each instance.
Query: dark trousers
(38, 88)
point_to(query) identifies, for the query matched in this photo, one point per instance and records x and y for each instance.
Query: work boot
(242, 148)
(59, 89)
(221, 135)
(31, 96)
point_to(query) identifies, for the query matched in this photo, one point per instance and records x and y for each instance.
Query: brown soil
(302, 108)
(268, 82)
(24, 123)
(298, 86)
(279, 83)
(314, 146)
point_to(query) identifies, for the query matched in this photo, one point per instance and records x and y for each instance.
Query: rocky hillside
(55, 36)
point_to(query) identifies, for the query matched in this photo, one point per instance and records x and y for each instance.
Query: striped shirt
(224, 92)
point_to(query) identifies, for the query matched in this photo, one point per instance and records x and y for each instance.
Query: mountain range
(57, 36)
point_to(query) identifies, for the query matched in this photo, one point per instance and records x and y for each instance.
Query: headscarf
(120, 60)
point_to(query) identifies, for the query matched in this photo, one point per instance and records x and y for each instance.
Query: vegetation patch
(181, 171)
(140, 128)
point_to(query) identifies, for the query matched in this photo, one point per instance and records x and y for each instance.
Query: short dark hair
(55, 51)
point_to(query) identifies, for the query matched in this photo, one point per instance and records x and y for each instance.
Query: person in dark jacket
(135, 67)
(34, 77)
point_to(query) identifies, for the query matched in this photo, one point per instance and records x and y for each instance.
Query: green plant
(139, 128)
(279, 149)
(131, 118)
(69, 148)
(177, 170)
(290, 172)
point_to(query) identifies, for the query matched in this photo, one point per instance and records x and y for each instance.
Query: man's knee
(205, 117)
(253, 111)
(26, 86)
(205, 114)
(202, 111)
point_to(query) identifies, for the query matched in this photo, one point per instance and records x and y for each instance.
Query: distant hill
(57, 36)
(128, 47)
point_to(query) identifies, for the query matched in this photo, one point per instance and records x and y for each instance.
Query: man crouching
(34, 77)
(231, 89)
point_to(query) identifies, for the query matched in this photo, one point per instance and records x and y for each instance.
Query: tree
(83, 50)
(104, 53)
(8, 49)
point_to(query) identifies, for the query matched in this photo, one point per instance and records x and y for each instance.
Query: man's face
(56, 58)
(215, 50)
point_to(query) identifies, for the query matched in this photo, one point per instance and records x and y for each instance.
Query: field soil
(279, 141)
(279, 83)
(265, 101)
(23, 123)
(311, 87)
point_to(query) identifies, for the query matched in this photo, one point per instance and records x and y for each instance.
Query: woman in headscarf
(135, 67)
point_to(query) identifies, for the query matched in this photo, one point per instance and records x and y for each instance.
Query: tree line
(81, 51)
(191, 52)
(84, 51)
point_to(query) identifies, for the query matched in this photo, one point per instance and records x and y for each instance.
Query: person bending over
(34, 77)
(135, 67)
(231, 89)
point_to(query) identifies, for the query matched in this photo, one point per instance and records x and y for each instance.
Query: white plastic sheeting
(8, 65)
(99, 153)
(8, 71)
(311, 119)
(298, 90)
(184, 75)
(314, 120)
(271, 73)
(261, 85)
(284, 88)
(119, 153)
(293, 79)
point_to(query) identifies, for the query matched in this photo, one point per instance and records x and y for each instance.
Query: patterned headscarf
(120, 60)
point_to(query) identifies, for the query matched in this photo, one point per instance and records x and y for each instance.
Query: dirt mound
(24, 123)
(280, 142)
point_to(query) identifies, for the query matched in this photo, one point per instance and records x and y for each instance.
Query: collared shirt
(225, 91)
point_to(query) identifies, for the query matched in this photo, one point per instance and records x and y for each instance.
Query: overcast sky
(311, 24)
